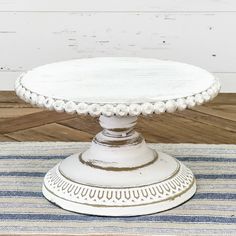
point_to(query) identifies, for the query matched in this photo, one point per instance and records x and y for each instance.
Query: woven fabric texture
(24, 210)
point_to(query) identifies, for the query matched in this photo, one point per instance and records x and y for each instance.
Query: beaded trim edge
(133, 109)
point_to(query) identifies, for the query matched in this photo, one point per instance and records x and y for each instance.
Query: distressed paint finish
(114, 179)
(36, 32)
(117, 80)
(227, 81)
(192, 38)
(119, 86)
(118, 175)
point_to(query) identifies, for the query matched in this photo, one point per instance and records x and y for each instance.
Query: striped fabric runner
(23, 209)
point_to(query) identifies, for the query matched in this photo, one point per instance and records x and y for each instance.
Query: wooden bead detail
(132, 109)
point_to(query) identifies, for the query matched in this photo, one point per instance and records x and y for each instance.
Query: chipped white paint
(191, 38)
(197, 32)
(113, 179)
(119, 86)
(118, 175)
(227, 81)
(118, 6)
(123, 200)
(117, 80)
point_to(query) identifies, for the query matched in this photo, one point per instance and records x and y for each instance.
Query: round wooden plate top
(117, 80)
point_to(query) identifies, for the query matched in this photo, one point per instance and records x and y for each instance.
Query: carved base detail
(119, 175)
(119, 201)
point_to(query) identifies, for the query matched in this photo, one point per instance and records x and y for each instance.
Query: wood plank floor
(214, 122)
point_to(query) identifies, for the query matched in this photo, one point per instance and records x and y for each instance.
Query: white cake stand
(119, 175)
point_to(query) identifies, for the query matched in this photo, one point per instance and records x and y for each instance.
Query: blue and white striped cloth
(23, 209)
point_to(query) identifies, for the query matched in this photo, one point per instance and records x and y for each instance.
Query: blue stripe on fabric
(20, 194)
(150, 218)
(24, 174)
(192, 158)
(213, 196)
(42, 174)
(218, 176)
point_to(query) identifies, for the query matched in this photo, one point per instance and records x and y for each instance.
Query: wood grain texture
(44, 31)
(181, 129)
(47, 133)
(31, 120)
(214, 122)
(5, 138)
(175, 36)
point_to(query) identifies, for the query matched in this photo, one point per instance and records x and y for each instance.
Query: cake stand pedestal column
(119, 175)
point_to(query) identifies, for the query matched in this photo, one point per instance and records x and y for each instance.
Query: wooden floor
(214, 122)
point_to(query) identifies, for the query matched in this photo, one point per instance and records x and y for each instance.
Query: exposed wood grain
(215, 122)
(16, 105)
(83, 123)
(223, 111)
(5, 138)
(47, 133)
(179, 129)
(118, 6)
(15, 112)
(175, 128)
(31, 120)
(210, 120)
(10, 97)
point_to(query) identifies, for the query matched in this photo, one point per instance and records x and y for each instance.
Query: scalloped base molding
(129, 200)
(119, 175)
(125, 201)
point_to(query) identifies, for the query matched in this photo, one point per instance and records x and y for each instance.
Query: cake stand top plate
(115, 81)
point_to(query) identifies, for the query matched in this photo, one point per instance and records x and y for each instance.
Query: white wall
(201, 32)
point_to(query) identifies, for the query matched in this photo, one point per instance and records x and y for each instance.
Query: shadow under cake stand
(119, 175)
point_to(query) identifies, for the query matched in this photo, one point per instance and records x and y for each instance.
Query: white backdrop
(200, 32)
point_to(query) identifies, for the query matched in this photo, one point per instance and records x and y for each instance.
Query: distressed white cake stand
(119, 175)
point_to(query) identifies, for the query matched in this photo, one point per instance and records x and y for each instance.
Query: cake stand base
(119, 175)
(124, 201)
